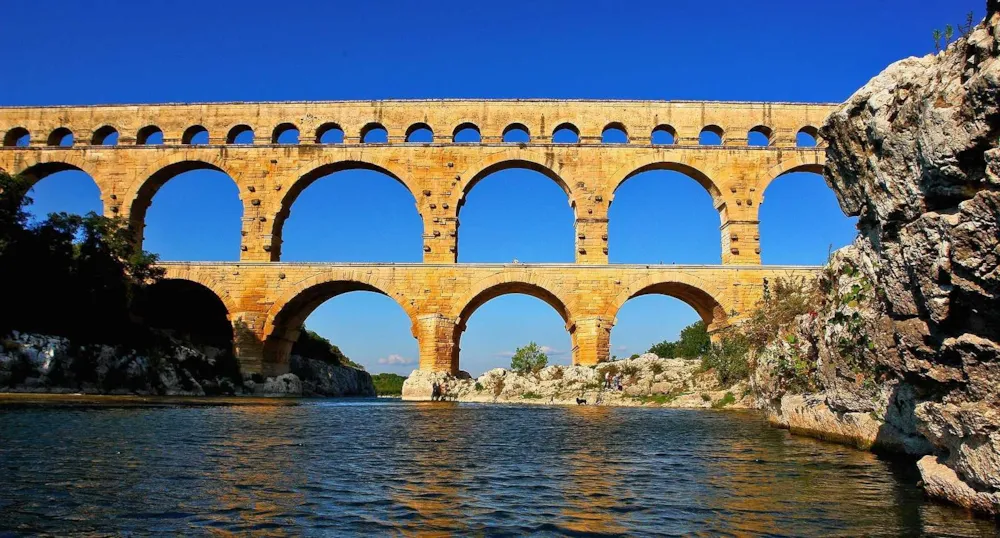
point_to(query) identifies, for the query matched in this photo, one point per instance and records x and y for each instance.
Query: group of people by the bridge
(613, 381)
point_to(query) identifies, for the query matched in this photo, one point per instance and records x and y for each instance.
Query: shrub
(729, 358)
(629, 370)
(664, 350)
(656, 368)
(531, 396)
(529, 358)
(705, 397)
(728, 399)
(478, 386)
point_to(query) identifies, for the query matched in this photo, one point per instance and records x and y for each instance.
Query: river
(385, 467)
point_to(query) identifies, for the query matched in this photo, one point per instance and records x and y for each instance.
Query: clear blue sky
(67, 52)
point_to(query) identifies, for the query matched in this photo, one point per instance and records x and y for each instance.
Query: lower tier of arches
(266, 303)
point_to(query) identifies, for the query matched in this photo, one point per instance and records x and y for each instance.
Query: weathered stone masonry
(266, 299)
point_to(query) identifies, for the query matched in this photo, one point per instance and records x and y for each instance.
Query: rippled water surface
(396, 468)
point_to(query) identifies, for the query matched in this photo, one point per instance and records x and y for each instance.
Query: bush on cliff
(529, 358)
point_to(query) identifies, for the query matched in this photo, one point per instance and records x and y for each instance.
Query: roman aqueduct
(256, 145)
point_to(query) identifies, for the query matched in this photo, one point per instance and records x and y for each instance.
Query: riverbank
(646, 381)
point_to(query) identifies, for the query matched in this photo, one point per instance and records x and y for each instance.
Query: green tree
(529, 358)
(664, 350)
(694, 341)
(388, 384)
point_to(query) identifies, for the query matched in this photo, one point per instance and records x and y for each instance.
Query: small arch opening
(516, 133)
(711, 135)
(566, 133)
(614, 133)
(61, 137)
(664, 135)
(105, 136)
(149, 135)
(286, 133)
(807, 137)
(329, 133)
(419, 133)
(241, 134)
(195, 135)
(374, 133)
(759, 136)
(467, 133)
(17, 137)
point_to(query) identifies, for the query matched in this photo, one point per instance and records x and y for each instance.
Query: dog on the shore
(581, 401)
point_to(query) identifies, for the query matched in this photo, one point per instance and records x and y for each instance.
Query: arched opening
(195, 135)
(58, 188)
(105, 136)
(566, 133)
(348, 212)
(646, 320)
(419, 133)
(61, 137)
(807, 137)
(614, 133)
(801, 221)
(240, 134)
(516, 133)
(149, 135)
(664, 135)
(711, 135)
(189, 211)
(188, 311)
(17, 137)
(507, 316)
(516, 210)
(664, 213)
(368, 327)
(759, 136)
(286, 133)
(329, 133)
(467, 133)
(374, 133)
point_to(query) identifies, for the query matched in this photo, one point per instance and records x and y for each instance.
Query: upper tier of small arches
(719, 124)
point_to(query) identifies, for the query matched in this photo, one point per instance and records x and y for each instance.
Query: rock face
(914, 155)
(322, 379)
(646, 380)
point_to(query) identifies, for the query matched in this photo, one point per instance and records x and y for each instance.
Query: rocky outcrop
(914, 155)
(646, 381)
(39, 363)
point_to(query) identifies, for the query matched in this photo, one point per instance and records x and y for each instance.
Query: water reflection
(375, 468)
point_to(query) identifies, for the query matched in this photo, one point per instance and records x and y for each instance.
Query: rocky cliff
(906, 345)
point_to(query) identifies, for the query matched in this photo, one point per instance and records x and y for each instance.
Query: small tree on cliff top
(529, 358)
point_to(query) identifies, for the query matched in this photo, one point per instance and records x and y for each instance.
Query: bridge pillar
(741, 242)
(591, 340)
(437, 338)
(248, 346)
(441, 240)
(592, 241)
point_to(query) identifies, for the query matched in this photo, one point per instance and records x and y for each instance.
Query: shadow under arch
(688, 290)
(497, 286)
(140, 196)
(504, 161)
(286, 316)
(308, 178)
(190, 309)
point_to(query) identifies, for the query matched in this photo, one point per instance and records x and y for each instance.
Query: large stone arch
(307, 174)
(179, 303)
(801, 161)
(697, 293)
(139, 195)
(505, 160)
(210, 280)
(656, 162)
(289, 312)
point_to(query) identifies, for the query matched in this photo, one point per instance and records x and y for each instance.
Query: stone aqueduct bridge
(267, 300)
